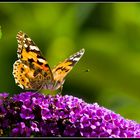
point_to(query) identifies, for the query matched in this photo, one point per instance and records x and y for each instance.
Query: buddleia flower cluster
(30, 114)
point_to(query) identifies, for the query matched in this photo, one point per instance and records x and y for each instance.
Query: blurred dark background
(109, 71)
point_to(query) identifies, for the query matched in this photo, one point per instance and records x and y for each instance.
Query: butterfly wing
(62, 69)
(31, 71)
(26, 47)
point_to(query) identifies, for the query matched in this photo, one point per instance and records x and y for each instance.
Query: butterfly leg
(60, 89)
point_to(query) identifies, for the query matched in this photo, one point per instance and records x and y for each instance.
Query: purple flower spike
(31, 114)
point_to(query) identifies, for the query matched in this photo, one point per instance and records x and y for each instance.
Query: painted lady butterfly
(32, 72)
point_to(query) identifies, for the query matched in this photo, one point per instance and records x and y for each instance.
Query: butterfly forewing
(62, 69)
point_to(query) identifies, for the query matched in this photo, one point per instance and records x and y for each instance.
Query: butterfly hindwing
(20, 72)
(62, 69)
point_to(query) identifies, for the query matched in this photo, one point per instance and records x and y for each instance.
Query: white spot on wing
(21, 86)
(34, 48)
(16, 81)
(19, 46)
(25, 45)
(18, 55)
(18, 41)
(29, 39)
(76, 59)
(41, 60)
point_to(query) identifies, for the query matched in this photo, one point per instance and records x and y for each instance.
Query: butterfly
(32, 72)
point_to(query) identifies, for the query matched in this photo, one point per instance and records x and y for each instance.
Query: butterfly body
(32, 72)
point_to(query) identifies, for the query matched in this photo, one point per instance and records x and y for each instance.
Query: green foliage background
(109, 71)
